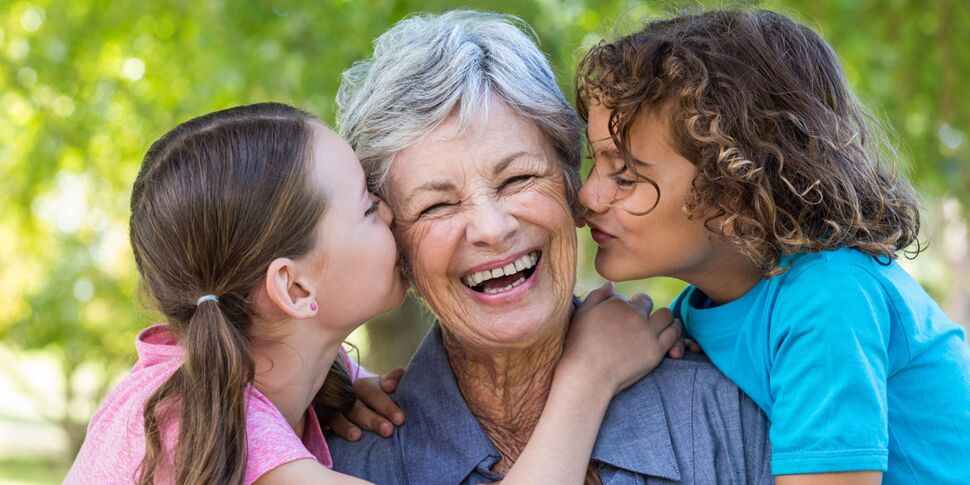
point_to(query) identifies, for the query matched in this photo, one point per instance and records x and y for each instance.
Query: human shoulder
(693, 390)
(694, 376)
(700, 407)
(271, 441)
(841, 284)
(373, 457)
(833, 267)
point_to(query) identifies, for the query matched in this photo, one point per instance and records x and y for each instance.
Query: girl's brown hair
(217, 199)
(787, 158)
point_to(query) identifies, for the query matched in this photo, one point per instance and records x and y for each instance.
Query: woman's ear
(579, 217)
(293, 295)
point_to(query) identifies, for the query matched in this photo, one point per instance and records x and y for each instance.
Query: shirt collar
(634, 435)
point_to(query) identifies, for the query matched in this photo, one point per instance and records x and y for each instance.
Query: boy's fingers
(660, 321)
(670, 336)
(600, 294)
(693, 345)
(643, 303)
(343, 428)
(677, 351)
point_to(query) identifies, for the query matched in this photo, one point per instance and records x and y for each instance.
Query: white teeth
(492, 291)
(526, 261)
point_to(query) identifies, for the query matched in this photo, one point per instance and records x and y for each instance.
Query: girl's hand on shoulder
(374, 410)
(616, 341)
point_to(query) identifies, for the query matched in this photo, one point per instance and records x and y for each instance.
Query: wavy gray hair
(426, 65)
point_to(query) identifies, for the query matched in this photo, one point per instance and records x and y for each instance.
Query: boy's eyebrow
(611, 153)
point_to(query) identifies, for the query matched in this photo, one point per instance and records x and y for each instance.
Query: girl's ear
(291, 294)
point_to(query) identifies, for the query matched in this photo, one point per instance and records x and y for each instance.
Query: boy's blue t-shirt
(856, 367)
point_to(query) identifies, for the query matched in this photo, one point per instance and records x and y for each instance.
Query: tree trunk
(75, 432)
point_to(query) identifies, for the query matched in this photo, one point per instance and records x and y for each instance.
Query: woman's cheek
(428, 248)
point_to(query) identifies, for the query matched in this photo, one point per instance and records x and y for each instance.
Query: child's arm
(306, 472)
(829, 365)
(849, 478)
(610, 346)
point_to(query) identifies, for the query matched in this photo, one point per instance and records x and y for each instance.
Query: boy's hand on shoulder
(616, 341)
(677, 351)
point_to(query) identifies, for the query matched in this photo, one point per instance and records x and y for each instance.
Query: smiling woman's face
(482, 217)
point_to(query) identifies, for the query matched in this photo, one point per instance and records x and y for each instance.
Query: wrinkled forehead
(478, 144)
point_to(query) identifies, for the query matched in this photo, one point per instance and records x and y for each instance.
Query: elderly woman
(461, 127)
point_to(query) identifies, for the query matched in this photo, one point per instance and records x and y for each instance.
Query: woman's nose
(589, 193)
(490, 224)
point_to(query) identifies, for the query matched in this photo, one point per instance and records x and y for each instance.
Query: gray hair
(426, 65)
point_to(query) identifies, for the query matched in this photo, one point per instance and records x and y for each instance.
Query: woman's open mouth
(501, 279)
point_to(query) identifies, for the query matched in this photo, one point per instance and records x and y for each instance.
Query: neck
(292, 365)
(507, 389)
(726, 277)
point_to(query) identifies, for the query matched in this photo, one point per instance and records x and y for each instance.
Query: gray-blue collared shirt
(683, 423)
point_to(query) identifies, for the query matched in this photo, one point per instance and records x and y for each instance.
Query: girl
(730, 153)
(254, 233)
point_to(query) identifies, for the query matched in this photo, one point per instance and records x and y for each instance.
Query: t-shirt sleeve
(829, 359)
(270, 441)
(356, 370)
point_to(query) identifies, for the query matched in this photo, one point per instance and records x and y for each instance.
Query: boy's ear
(289, 293)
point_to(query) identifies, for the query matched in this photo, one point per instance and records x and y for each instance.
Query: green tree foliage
(86, 86)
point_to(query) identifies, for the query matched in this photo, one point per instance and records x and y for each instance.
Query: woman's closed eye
(436, 207)
(518, 179)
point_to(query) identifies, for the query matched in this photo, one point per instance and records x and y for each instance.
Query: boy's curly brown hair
(787, 158)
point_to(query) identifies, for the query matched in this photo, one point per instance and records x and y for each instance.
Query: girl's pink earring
(313, 305)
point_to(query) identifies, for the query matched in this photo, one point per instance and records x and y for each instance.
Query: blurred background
(86, 86)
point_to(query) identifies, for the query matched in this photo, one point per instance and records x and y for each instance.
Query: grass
(31, 471)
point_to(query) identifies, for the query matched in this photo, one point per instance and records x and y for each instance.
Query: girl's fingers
(372, 396)
(366, 418)
(343, 428)
(390, 380)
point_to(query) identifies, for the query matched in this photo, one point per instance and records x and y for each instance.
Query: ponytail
(210, 387)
